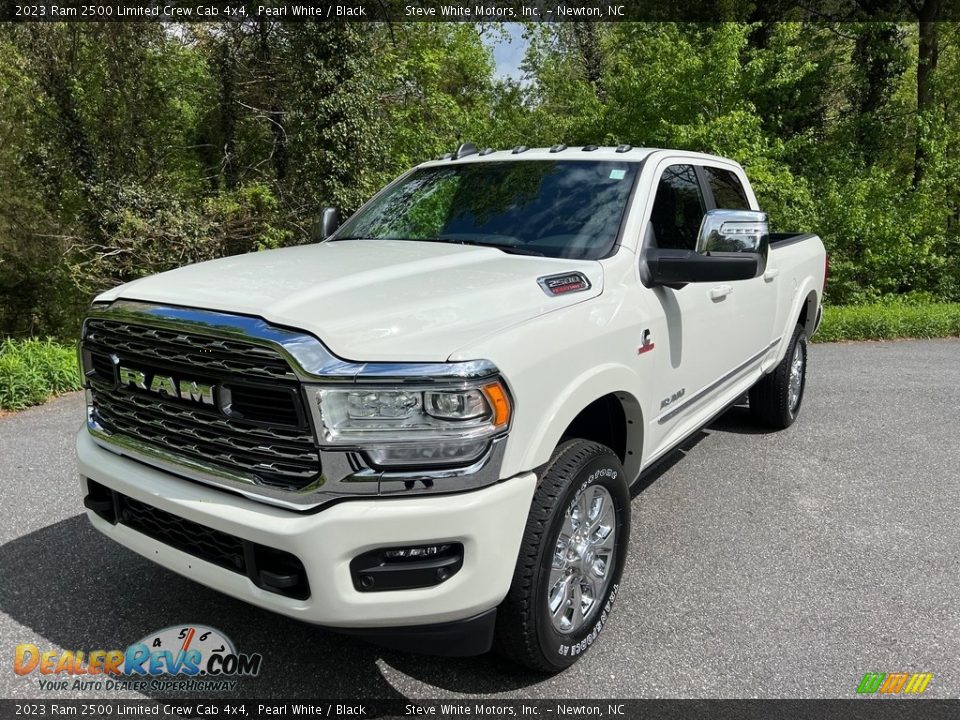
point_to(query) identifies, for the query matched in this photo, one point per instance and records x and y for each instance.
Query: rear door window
(728, 192)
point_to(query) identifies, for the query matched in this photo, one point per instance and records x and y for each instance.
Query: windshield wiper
(511, 249)
(404, 239)
(504, 247)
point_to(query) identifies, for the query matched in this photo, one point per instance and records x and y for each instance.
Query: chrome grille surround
(200, 352)
(213, 451)
(307, 356)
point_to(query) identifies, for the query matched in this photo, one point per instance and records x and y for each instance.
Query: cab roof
(468, 153)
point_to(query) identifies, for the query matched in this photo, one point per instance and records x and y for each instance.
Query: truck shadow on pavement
(737, 420)
(660, 467)
(78, 591)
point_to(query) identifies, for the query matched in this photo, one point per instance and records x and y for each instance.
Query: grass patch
(33, 370)
(885, 321)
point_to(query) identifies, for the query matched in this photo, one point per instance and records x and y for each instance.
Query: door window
(677, 209)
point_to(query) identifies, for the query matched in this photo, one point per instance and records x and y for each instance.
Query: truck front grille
(256, 427)
(200, 541)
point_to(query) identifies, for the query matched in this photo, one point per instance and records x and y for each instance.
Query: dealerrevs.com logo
(898, 683)
(180, 657)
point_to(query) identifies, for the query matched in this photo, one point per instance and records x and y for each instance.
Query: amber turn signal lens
(499, 402)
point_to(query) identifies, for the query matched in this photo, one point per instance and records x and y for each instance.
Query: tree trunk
(226, 76)
(277, 117)
(588, 43)
(926, 66)
(877, 59)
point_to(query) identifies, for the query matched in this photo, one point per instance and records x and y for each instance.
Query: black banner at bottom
(854, 709)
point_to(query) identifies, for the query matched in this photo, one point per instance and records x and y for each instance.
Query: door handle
(770, 274)
(720, 292)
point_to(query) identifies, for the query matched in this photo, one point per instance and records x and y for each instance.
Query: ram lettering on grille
(166, 385)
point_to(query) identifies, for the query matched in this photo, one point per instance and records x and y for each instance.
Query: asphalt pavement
(761, 565)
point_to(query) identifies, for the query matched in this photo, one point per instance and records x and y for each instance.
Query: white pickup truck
(424, 428)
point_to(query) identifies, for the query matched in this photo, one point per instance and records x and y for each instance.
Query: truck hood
(371, 300)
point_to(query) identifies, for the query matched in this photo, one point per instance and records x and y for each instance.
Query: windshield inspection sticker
(618, 174)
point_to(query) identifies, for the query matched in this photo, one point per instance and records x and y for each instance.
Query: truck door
(694, 348)
(753, 303)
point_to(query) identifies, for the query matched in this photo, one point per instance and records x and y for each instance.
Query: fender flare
(806, 292)
(597, 382)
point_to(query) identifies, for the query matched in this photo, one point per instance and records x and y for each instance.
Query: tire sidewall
(563, 649)
(801, 341)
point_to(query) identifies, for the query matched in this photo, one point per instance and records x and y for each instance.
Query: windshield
(554, 208)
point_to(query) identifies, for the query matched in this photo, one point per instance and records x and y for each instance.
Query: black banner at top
(480, 10)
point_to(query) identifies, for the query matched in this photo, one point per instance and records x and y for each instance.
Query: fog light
(415, 552)
(404, 568)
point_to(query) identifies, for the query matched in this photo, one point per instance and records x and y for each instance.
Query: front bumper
(488, 522)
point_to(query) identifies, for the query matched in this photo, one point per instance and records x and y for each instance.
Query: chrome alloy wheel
(582, 560)
(796, 377)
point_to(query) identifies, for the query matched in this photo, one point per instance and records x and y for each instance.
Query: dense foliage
(33, 370)
(126, 149)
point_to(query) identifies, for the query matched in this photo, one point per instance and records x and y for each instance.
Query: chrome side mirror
(737, 231)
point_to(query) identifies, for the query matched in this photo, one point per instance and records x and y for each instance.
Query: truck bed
(786, 238)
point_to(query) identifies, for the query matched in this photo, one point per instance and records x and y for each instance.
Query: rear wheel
(571, 558)
(775, 400)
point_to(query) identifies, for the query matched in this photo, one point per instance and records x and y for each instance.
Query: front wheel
(775, 400)
(572, 554)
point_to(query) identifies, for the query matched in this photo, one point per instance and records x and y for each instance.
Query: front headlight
(411, 425)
